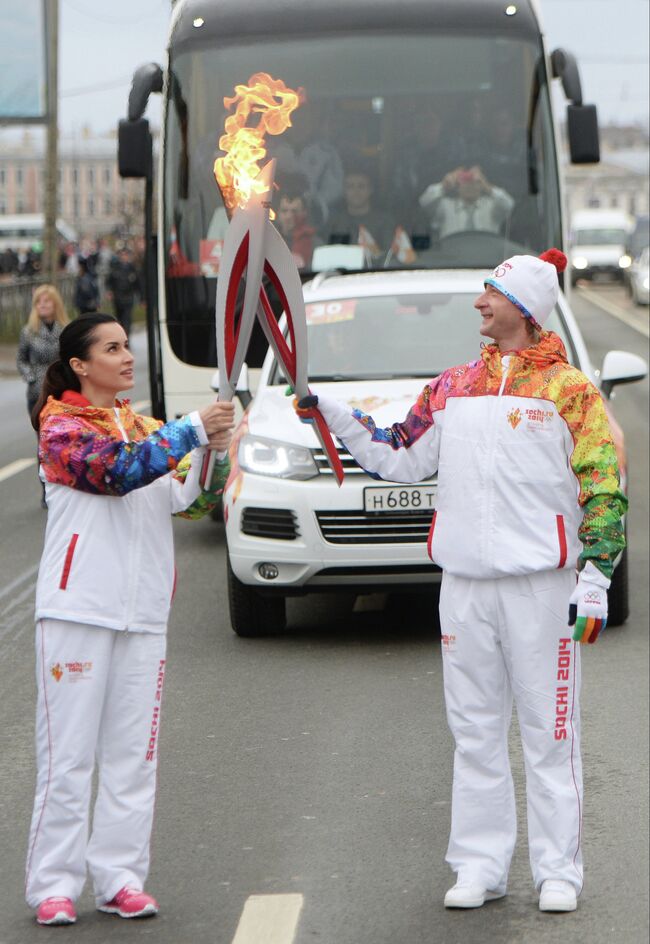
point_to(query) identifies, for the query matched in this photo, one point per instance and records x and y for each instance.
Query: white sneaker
(556, 895)
(469, 896)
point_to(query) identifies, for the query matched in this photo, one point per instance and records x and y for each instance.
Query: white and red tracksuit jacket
(527, 472)
(108, 558)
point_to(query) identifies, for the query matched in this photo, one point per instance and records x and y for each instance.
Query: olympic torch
(253, 248)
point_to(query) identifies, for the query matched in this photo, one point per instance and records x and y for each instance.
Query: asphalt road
(318, 764)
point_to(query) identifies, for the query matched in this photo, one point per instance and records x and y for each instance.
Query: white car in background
(375, 339)
(640, 279)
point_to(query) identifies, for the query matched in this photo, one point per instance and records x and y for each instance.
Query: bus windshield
(427, 151)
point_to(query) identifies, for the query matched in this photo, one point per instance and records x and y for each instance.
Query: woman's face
(108, 367)
(45, 308)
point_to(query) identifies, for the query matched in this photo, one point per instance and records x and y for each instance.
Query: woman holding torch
(113, 479)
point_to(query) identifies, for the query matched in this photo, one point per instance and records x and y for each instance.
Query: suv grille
(350, 465)
(278, 523)
(358, 527)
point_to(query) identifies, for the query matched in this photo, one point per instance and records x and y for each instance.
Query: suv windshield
(395, 336)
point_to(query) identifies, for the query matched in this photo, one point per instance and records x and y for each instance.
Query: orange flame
(236, 173)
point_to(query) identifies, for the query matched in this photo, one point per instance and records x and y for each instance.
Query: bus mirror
(146, 79)
(565, 68)
(134, 148)
(582, 126)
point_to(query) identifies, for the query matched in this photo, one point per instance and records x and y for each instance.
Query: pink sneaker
(131, 903)
(56, 911)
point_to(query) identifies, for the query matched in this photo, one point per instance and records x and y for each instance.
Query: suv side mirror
(242, 390)
(620, 367)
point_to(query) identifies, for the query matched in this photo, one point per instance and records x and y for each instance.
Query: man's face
(500, 319)
(357, 191)
(288, 213)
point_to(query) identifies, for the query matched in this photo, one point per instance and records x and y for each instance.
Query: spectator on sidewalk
(38, 345)
(86, 294)
(122, 284)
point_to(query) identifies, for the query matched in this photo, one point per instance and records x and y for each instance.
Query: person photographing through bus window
(465, 201)
(105, 584)
(528, 492)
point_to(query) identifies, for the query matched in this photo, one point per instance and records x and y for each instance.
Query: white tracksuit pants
(504, 638)
(99, 700)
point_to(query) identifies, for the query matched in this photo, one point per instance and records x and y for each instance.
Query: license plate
(391, 498)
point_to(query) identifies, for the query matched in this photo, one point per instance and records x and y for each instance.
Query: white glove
(588, 604)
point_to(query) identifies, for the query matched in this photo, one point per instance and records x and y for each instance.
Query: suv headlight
(580, 262)
(279, 459)
(625, 261)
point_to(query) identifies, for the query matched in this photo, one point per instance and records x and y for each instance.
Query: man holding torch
(528, 492)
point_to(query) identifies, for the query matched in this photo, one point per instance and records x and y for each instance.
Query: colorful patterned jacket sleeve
(209, 497)
(73, 453)
(594, 463)
(404, 452)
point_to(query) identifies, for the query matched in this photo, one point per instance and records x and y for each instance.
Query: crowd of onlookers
(106, 276)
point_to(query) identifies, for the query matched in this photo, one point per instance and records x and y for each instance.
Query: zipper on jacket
(505, 367)
(119, 424)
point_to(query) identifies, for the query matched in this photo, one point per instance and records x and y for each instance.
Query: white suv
(375, 339)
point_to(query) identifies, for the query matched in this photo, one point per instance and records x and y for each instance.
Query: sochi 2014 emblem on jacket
(514, 417)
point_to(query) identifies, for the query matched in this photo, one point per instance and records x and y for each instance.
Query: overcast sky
(102, 44)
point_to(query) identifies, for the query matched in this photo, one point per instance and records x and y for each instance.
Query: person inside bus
(503, 155)
(318, 158)
(426, 153)
(358, 221)
(294, 225)
(464, 201)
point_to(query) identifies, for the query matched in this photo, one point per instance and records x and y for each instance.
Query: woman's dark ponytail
(75, 341)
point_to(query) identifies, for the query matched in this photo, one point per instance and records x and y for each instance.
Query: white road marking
(15, 467)
(269, 919)
(626, 317)
(12, 587)
(17, 610)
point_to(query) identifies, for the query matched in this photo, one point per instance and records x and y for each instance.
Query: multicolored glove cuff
(588, 605)
(305, 408)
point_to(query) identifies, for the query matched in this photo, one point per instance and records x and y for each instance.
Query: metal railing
(16, 302)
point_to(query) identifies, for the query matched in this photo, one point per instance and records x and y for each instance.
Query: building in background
(92, 197)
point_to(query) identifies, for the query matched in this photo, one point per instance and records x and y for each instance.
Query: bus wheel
(251, 612)
(618, 604)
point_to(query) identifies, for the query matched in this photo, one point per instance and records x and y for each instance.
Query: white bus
(401, 92)
(23, 231)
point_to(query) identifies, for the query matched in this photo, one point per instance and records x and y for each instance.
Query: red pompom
(556, 257)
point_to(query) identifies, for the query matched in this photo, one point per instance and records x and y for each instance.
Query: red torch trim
(231, 330)
(286, 353)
